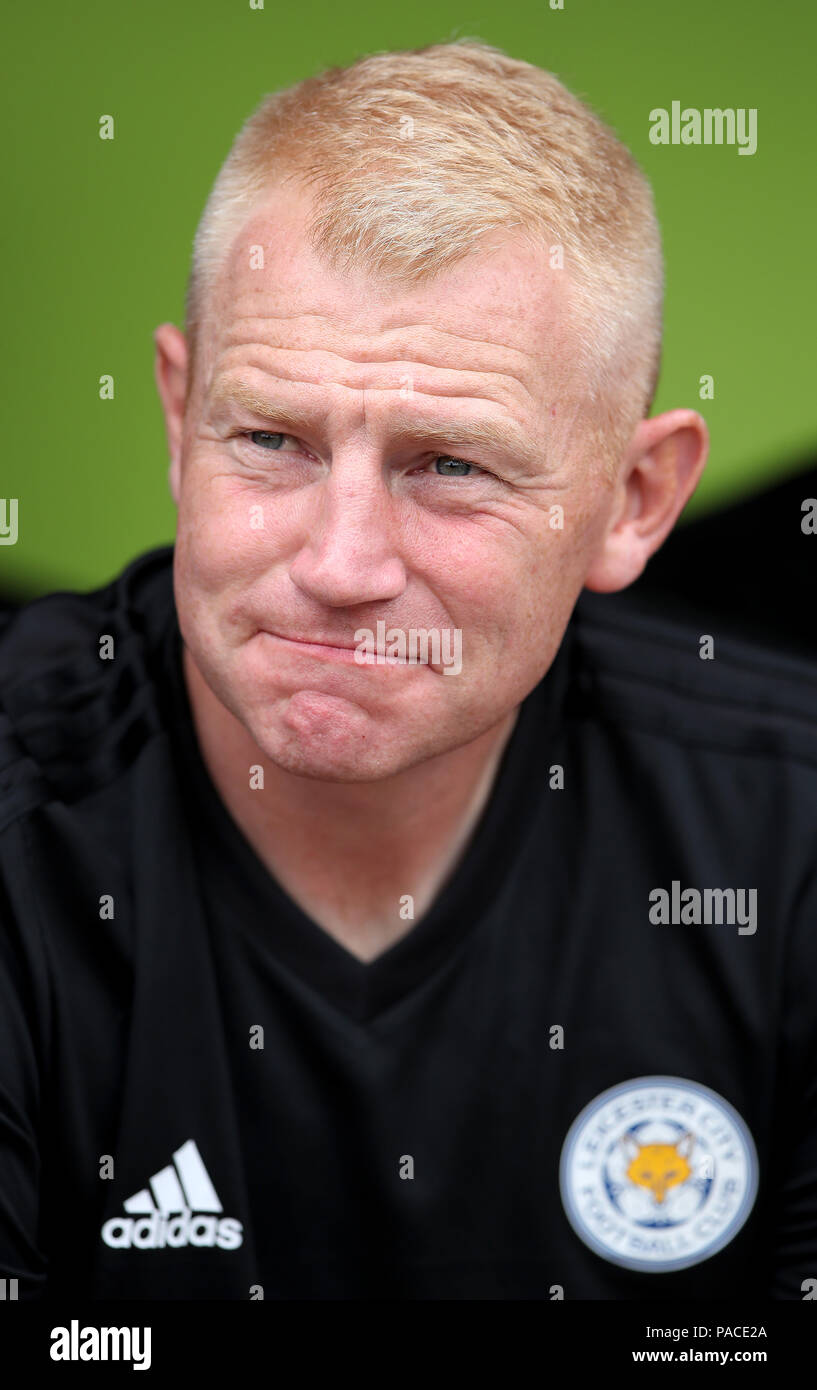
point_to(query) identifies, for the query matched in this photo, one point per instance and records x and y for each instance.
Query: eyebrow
(475, 435)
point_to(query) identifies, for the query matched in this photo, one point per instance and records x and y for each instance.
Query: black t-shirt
(589, 1071)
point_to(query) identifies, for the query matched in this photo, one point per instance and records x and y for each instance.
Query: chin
(317, 769)
(327, 762)
(310, 735)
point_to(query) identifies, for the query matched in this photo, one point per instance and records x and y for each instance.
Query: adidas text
(157, 1231)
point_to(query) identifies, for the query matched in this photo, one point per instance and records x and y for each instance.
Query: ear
(659, 473)
(171, 381)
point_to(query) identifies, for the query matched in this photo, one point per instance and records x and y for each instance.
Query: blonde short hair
(412, 155)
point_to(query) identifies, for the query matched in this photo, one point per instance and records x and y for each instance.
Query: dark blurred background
(748, 568)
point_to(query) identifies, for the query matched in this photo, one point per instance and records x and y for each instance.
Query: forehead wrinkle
(422, 377)
(237, 334)
(323, 367)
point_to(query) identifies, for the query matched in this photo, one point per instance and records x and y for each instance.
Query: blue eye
(458, 467)
(257, 435)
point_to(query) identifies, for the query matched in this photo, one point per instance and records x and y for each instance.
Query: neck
(364, 860)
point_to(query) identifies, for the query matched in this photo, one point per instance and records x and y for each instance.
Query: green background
(99, 233)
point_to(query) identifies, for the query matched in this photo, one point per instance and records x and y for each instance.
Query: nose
(351, 554)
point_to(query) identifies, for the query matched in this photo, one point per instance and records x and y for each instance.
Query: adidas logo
(183, 1187)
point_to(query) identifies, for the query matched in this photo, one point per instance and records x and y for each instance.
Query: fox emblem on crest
(659, 1167)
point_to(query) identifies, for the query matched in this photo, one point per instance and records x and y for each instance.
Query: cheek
(501, 581)
(224, 536)
(528, 596)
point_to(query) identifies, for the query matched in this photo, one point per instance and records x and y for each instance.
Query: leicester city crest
(658, 1173)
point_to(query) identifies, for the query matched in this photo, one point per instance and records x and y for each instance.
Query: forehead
(502, 311)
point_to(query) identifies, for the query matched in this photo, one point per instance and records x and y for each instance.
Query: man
(381, 919)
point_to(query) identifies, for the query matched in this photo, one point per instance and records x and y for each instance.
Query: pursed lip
(334, 650)
(320, 646)
(311, 641)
